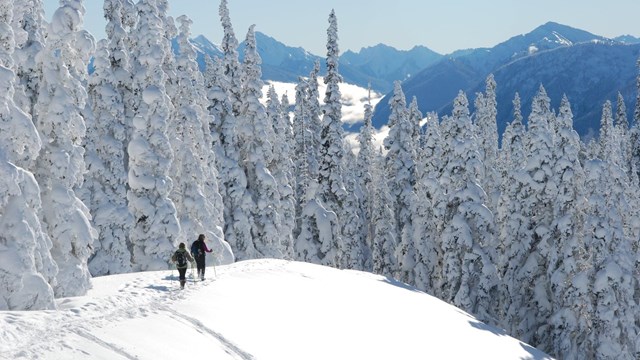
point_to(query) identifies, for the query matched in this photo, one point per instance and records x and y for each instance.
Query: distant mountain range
(589, 68)
(378, 66)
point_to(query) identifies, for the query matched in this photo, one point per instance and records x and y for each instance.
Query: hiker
(198, 250)
(182, 258)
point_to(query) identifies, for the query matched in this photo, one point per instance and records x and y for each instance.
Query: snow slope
(258, 309)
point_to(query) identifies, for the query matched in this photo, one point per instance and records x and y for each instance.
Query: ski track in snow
(231, 348)
(136, 299)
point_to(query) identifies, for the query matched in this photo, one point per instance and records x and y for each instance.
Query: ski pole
(215, 258)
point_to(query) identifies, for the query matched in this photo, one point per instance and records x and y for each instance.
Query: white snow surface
(256, 309)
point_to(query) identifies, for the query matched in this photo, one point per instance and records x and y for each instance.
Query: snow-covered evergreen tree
(313, 113)
(111, 100)
(232, 69)
(426, 216)
(282, 166)
(29, 36)
(195, 192)
(606, 146)
(364, 175)
(611, 257)
(319, 232)
(27, 269)
(355, 250)
(301, 153)
(468, 238)
(400, 169)
(105, 183)
(511, 154)
(168, 64)
(60, 166)
(383, 220)
(622, 133)
(122, 18)
(570, 320)
(224, 90)
(487, 127)
(509, 219)
(331, 190)
(527, 220)
(415, 117)
(156, 230)
(256, 137)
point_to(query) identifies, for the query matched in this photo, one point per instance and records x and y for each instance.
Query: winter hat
(181, 246)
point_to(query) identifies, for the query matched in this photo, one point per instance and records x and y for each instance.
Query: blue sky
(441, 25)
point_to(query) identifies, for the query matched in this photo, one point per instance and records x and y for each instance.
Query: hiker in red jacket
(198, 250)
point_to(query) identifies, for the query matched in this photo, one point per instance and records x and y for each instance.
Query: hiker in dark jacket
(198, 250)
(180, 258)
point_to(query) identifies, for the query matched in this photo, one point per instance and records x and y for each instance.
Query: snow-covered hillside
(258, 309)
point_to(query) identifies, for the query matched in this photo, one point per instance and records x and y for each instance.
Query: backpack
(181, 259)
(195, 249)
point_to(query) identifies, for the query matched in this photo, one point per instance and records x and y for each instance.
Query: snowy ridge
(258, 309)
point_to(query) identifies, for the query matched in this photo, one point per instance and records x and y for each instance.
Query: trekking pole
(215, 258)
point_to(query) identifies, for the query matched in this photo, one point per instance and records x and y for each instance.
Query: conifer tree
(354, 248)
(512, 151)
(415, 117)
(122, 18)
(226, 90)
(282, 166)
(566, 256)
(510, 220)
(29, 36)
(487, 127)
(606, 144)
(111, 100)
(529, 215)
(105, 183)
(26, 283)
(60, 166)
(622, 134)
(468, 238)
(364, 175)
(400, 168)
(232, 69)
(611, 283)
(383, 219)
(305, 185)
(331, 189)
(313, 121)
(257, 136)
(427, 216)
(156, 230)
(195, 192)
(316, 226)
